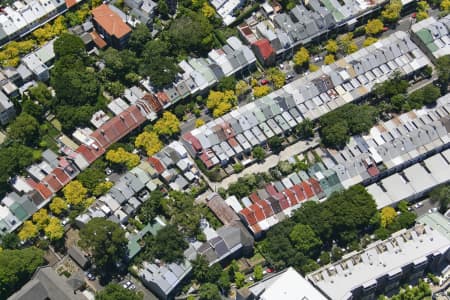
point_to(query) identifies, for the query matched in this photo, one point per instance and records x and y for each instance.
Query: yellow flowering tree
(75, 193)
(122, 157)
(168, 124)
(261, 91)
(41, 218)
(221, 102)
(58, 205)
(54, 230)
(149, 141)
(28, 231)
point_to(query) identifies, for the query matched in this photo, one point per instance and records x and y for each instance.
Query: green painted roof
(18, 211)
(334, 11)
(432, 47)
(436, 221)
(425, 36)
(133, 241)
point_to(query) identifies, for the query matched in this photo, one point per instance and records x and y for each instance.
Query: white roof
(288, 285)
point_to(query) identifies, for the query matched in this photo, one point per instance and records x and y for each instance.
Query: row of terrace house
(349, 79)
(22, 17)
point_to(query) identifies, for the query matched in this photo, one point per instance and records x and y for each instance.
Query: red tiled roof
(284, 203)
(110, 21)
(162, 97)
(39, 187)
(61, 176)
(98, 41)
(118, 127)
(70, 3)
(205, 159)
(291, 196)
(254, 197)
(259, 214)
(52, 182)
(266, 207)
(193, 141)
(316, 186)
(249, 216)
(271, 190)
(233, 143)
(153, 101)
(90, 155)
(308, 191)
(299, 192)
(265, 49)
(155, 163)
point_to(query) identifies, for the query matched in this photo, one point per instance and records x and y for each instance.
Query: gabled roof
(264, 47)
(110, 21)
(249, 216)
(156, 164)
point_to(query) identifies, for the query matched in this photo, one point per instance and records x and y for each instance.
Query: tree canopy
(149, 141)
(301, 57)
(106, 242)
(121, 157)
(343, 217)
(337, 126)
(158, 64)
(332, 46)
(13, 159)
(168, 124)
(151, 207)
(221, 102)
(114, 291)
(68, 44)
(167, 245)
(374, 27)
(17, 267)
(24, 129)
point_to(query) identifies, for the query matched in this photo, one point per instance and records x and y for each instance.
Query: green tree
(158, 64)
(226, 83)
(163, 9)
(69, 44)
(402, 206)
(13, 159)
(105, 241)
(168, 245)
(305, 129)
(184, 214)
(443, 71)
(275, 143)
(114, 291)
(329, 59)
(17, 267)
(304, 239)
(209, 291)
(441, 195)
(24, 129)
(239, 279)
(224, 282)
(10, 241)
(335, 136)
(191, 32)
(203, 272)
(139, 37)
(258, 272)
(151, 207)
(259, 153)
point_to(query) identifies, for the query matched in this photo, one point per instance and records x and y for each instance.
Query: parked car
(264, 81)
(127, 284)
(318, 58)
(90, 276)
(289, 77)
(108, 171)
